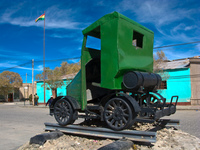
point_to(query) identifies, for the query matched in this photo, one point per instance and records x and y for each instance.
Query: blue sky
(21, 39)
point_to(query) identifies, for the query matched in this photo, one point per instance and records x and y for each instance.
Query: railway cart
(115, 84)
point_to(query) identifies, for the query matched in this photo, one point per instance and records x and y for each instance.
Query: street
(18, 123)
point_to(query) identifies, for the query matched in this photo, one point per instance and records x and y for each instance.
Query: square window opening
(137, 39)
(163, 85)
(93, 42)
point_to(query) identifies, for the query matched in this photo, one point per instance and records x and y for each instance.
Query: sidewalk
(27, 104)
(188, 107)
(24, 104)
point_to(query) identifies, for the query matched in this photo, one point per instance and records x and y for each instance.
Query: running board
(133, 135)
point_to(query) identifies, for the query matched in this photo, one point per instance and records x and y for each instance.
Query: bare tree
(159, 61)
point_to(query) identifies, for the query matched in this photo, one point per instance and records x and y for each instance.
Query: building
(19, 94)
(182, 78)
(48, 92)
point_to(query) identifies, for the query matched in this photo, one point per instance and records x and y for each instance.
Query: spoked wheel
(153, 99)
(63, 112)
(118, 114)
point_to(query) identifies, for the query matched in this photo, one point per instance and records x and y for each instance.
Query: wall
(40, 91)
(195, 80)
(179, 84)
(26, 90)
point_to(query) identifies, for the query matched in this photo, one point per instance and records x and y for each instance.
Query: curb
(188, 107)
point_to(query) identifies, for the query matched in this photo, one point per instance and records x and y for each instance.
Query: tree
(53, 79)
(159, 62)
(9, 81)
(159, 59)
(67, 68)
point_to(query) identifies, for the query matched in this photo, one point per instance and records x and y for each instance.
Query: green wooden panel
(74, 88)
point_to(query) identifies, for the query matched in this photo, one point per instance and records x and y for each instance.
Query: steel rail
(169, 122)
(164, 122)
(133, 135)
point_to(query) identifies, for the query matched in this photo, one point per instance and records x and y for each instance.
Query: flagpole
(44, 58)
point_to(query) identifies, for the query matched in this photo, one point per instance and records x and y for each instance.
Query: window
(163, 85)
(137, 39)
(93, 42)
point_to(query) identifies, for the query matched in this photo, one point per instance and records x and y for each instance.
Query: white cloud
(156, 11)
(178, 53)
(163, 15)
(182, 28)
(39, 68)
(198, 48)
(190, 28)
(11, 65)
(17, 55)
(63, 36)
(54, 18)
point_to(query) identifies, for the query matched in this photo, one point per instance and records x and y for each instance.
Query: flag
(40, 18)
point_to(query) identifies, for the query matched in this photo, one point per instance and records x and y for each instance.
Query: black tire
(118, 114)
(63, 112)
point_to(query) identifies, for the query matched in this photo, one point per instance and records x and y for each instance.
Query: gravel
(167, 139)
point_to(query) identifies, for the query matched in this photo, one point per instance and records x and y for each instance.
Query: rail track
(133, 135)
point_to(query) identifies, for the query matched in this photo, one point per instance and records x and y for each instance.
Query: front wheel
(63, 112)
(118, 114)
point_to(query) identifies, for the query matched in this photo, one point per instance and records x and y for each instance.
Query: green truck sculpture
(116, 83)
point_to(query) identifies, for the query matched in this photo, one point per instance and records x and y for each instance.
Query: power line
(58, 59)
(176, 45)
(16, 66)
(183, 48)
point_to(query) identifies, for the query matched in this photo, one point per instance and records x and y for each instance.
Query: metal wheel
(63, 112)
(153, 102)
(118, 114)
(153, 99)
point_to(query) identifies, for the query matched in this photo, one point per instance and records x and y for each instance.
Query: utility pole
(33, 81)
(44, 60)
(26, 77)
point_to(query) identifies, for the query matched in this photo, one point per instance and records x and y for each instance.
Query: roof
(69, 76)
(176, 64)
(94, 26)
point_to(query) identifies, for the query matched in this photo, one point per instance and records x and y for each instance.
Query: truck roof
(90, 30)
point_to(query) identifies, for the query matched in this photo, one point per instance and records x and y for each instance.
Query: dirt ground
(167, 139)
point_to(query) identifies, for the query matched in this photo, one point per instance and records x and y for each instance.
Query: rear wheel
(63, 112)
(118, 114)
(153, 100)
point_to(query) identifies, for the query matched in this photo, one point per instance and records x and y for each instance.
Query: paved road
(189, 121)
(18, 124)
